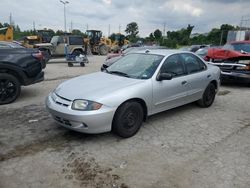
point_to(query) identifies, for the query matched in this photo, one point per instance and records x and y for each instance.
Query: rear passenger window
(173, 65)
(192, 63)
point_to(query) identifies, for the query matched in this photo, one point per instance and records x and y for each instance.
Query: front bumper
(242, 77)
(96, 121)
(36, 79)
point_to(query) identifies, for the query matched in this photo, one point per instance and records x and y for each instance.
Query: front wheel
(103, 50)
(128, 119)
(208, 96)
(10, 88)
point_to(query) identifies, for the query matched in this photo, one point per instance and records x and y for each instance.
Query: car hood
(219, 53)
(94, 86)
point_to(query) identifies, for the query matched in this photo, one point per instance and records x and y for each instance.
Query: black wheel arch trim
(14, 70)
(141, 102)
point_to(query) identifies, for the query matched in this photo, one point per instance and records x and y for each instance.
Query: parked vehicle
(18, 66)
(113, 57)
(56, 47)
(6, 33)
(237, 50)
(136, 86)
(14, 44)
(233, 59)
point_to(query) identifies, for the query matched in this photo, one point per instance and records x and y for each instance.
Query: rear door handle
(184, 82)
(208, 76)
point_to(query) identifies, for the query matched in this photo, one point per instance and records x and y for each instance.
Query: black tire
(10, 88)
(208, 96)
(103, 50)
(128, 119)
(82, 64)
(70, 64)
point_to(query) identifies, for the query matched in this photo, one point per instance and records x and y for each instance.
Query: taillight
(38, 55)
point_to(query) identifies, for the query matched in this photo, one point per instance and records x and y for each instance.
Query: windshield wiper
(119, 73)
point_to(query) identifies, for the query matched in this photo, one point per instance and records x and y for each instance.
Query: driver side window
(173, 66)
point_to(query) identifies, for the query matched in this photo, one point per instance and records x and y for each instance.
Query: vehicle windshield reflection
(139, 66)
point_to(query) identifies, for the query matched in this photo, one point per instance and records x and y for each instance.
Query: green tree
(112, 37)
(59, 32)
(132, 31)
(182, 36)
(158, 35)
(76, 32)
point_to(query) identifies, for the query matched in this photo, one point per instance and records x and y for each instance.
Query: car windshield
(245, 47)
(139, 66)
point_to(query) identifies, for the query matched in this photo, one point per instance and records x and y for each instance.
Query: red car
(237, 50)
(233, 59)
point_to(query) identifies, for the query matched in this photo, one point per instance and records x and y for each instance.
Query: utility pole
(164, 29)
(119, 28)
(64, 8)
(87, 27)
(221, 37)
(34, 25)
(10, 18)
(109, 31)
(71, 26)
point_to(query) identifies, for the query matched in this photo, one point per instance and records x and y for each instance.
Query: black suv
(18, 66)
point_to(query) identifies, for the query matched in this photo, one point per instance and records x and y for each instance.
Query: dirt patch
(224, 92)
(30, 149)
(55, 143)
(89, 173)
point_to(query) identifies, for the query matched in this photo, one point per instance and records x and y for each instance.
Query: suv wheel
(9, 88)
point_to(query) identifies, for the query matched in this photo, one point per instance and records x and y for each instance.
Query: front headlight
(85, 105)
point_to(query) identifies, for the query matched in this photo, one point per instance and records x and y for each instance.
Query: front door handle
(184, 82)
(208, 76)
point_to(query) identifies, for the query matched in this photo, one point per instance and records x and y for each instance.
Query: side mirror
(164, 76)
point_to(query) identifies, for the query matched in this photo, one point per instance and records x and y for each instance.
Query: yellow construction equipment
(97, 43)
(6, 33)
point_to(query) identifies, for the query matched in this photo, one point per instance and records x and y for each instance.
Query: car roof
(164, 52)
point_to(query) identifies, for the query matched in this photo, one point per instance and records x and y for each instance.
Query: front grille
(60, 100)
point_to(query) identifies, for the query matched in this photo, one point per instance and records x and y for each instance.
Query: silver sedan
(138, 85)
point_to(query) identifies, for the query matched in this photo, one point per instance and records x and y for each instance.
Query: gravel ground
(187, 147)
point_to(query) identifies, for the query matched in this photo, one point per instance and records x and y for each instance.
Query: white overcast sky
(149, 14)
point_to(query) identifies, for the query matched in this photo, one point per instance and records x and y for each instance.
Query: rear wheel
(128, 119)
(9, 88)
(208, 96)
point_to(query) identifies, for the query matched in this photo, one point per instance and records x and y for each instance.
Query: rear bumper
(38, 78)
(243, 77)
